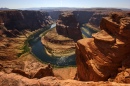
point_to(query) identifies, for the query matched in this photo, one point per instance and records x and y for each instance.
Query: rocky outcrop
(68, 26)
(42, 72)
(16, 80)
(29, 68)
(17, 19)
(8, 33)
(21, 71)
(123, 77)
(99, 58)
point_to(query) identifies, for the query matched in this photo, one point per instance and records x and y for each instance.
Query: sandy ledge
(59, 55)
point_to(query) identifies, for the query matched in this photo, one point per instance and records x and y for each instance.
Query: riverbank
(92, 27)
(57, 45)
(32, 60)
(28, 36)
(60, 54)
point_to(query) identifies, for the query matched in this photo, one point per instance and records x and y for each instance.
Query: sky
(15, 4)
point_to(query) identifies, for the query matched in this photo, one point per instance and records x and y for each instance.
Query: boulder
(42, 72)
(123, 77)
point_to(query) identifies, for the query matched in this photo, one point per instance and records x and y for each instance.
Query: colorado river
(39, 51)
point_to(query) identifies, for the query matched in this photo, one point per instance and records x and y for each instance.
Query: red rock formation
(42, 72)
(29, 68)
(123, 77)
(67, 26)
(99, 58)
(16, 80)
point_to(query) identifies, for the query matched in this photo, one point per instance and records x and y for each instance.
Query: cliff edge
(99, 58)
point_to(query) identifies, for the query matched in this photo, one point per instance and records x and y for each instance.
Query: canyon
(101, 60)
(60, 41)
(15, 27)
(15, 19)
(90, 16)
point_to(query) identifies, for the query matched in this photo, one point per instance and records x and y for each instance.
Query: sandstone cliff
(99, 58)
(68, 26)
(20, 20)
(95, 19)
(91, 16)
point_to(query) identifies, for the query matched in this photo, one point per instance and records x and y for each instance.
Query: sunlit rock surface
(15, 80)
(99, 58)
(68, 26)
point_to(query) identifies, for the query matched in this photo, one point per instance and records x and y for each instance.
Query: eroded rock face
(68, 26)
(26, 66)
(123, 77)
(24, 19)
(96, 18)
(42, 72)
(16, 80)
(8, 33)
(99, 58)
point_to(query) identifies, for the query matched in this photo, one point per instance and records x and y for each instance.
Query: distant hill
(125, 9)
(4, 8)
(52, 8)
(67, 9)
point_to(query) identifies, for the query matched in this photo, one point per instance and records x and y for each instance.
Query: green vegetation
(25, 47)
(54, 66)
(86, 31)
(84, 36)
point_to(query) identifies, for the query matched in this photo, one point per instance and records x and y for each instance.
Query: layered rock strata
(96, 18)
(16, 80)
(99, 58)
(68, 26)
(17, 19)
(58, 45)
